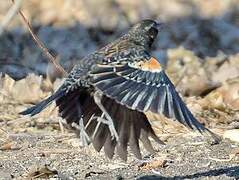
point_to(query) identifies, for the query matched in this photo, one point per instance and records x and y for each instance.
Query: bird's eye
(152, 32)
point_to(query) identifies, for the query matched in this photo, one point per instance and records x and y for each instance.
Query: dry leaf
(181, 60)
(41, 172)
(154, 164)
(232, 134)
(28, 90)
(228, 70)
(226, 96)
(6, 83)
(9, 146)
(234, 153)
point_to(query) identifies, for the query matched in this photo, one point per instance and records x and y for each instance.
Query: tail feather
(146, 142)
(110, 144)
(134, 138)
(123, 135)
(130, 125)
(100, 137)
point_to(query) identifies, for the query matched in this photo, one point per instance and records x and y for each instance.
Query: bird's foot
(84, 137)
(106, 117)
(109, 122)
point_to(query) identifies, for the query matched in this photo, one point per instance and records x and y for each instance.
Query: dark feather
(140, 104)
(146, 142)
(121, 88)
(106, 77)
(100, 137)
(109, 146)
(123, 134)
(113, 83)
(148, 100)
(147, 91)
(134, 136)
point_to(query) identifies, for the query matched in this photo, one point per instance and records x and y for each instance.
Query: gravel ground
(57, 155)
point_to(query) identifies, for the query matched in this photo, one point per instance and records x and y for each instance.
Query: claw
(98, 124)
(109, 123)
(105, 117)
(85, 139)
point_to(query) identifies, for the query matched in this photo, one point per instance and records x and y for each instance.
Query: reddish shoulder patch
(151, 65)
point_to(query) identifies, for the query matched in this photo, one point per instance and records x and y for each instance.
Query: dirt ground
(58, 155)
(38, 147)
(199, 49)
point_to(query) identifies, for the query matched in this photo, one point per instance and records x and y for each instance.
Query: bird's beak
(159, 25)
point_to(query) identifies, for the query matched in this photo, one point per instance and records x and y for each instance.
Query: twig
(5, 131)
(17, 121)
(232, 156)
(56, 151)
(221, 160)
(40, 44)
(10, 14)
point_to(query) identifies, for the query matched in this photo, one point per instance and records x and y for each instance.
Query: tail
(43, 104)
(132, 126)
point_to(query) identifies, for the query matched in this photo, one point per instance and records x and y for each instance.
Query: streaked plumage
(131, 82)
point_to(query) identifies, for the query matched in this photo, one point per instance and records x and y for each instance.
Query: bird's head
(145, 32)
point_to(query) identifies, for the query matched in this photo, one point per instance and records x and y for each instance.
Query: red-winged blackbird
(105, 96)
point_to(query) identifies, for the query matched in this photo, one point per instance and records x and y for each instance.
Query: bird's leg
(61, 125)
(109, 120)
(84, 137)
(100, 120)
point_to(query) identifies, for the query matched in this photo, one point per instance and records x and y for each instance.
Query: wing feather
(144, 90)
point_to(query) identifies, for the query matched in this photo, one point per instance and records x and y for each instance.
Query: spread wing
(143, 87)
(131, 126)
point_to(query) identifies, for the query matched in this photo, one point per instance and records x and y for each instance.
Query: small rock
(5, 175)
(233, 135)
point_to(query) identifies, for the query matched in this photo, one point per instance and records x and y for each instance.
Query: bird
(105, 96)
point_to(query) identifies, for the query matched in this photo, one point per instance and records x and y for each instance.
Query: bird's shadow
(232, 171)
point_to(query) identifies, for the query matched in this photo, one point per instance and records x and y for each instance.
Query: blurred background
(198, 44)
(198, 47)
(72, 29)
